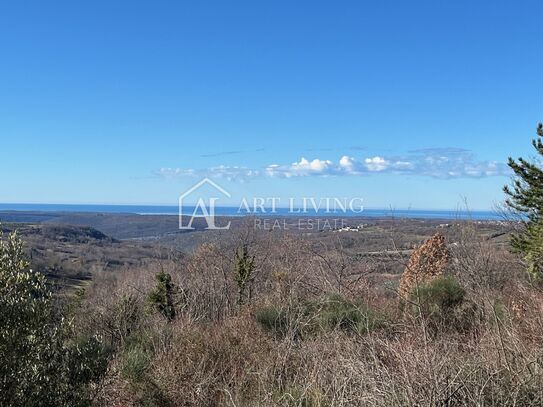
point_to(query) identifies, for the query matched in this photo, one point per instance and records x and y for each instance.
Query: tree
(244, 265)
(162, 297)
(525, 197)
(40, 364)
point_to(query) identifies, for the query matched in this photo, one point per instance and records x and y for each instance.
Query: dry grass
(217, 354)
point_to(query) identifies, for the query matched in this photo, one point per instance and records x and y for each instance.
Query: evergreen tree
(162, 298)
(244, 265)
(525, 197)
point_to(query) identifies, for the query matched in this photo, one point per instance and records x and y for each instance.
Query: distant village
(360, 227)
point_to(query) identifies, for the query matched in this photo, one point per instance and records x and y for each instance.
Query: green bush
(136, 354)
(330, 313)
(244, 265)
(87, 360)
(162, 298)
(135, 361)
(443, 294)
(339, 313)
(442, 304)
(40, 364)
(274, 319)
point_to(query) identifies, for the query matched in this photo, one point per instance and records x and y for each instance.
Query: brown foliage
(426, 263)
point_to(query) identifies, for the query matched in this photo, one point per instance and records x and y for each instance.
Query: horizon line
(237, 206)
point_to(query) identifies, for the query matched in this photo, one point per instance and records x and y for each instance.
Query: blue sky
(407, 104)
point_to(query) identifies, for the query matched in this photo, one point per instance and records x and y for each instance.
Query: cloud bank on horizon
(443, 163)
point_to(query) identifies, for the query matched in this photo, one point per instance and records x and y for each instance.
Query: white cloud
(304, 167)
(437, 163)
(376, 163)
(230, 173)
(348, 164)
(403, 165)
(176, 172)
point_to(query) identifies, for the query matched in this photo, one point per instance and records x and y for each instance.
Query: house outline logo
(207, 209)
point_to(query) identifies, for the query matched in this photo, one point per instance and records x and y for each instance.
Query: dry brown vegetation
(319, 329)
(428, 262)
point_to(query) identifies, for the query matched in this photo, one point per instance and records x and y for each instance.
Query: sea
(234, 211)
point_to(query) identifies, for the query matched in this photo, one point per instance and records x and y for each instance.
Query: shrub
(135, 361)
(87, 360)
(40, 366)
(244, 265)
(442, 304)
(330, 313)
(135, 365)
(442, 294)
(137, 352)
(274, 319)
(340, 313)
(162, 297)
